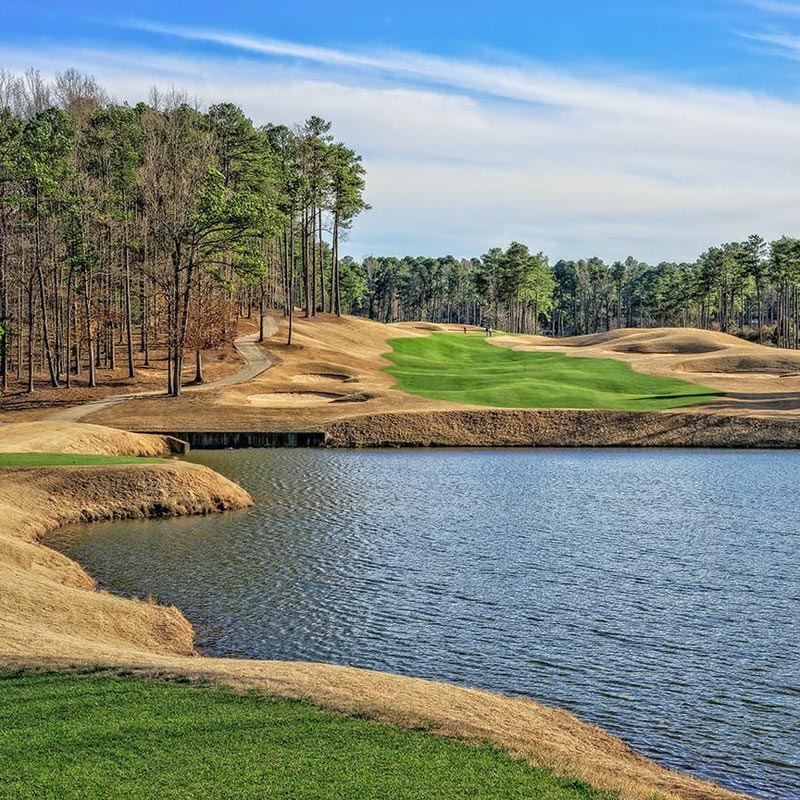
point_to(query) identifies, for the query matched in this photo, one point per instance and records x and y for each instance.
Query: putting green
(467, 369)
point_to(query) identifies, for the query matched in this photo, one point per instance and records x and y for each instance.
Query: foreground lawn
(70, 737)
(67, 460)
(466, 369)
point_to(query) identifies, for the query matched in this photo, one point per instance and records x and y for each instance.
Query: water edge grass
(78, 736)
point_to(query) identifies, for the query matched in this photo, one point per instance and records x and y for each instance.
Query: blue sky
(609, 128)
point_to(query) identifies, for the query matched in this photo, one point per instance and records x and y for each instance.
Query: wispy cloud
(533, 84)
(783, 44)
(465, 154)
(776, 7)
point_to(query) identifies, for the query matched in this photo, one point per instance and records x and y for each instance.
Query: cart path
(257, 362)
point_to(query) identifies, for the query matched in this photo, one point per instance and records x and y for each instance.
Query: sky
(651, 128)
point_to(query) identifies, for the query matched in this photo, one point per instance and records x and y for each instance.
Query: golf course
(466, 369)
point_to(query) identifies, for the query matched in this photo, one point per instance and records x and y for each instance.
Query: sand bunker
(291, 399)
(321, 377)
(306, 399)
(356, 397)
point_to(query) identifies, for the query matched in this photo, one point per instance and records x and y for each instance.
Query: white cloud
(777, 7)
(463, 155)
(781, 44)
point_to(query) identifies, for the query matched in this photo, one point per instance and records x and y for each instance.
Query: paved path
(257, 361)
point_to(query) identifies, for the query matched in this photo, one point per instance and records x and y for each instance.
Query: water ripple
(654, 593)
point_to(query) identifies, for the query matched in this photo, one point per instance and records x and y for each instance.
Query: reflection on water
(655, 593)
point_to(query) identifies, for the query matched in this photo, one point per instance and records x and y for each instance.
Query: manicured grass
(69, 737)
(67, 460)
(467, 369)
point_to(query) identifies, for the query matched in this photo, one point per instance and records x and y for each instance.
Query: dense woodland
(127, 229)
(748, 288)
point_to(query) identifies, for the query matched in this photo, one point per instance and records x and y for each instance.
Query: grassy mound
(70, 736)
(466, 369)
(68, 460)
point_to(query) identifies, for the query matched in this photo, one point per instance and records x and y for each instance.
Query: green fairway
(467, 369)
(67, 460)
(71, 737)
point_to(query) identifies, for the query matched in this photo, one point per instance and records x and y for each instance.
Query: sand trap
(321, 377)
(356, 397)
(292, 399)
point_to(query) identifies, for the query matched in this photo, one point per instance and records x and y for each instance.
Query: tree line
(125, 228)
(749, 288)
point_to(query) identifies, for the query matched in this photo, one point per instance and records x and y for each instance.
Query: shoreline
(53, 617)
(497, 428)
(563, 428)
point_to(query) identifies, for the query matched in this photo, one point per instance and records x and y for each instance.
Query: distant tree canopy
(125, 227)
(748, 288)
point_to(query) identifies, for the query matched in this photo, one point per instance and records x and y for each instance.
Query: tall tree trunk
(291, 278)
(128, 313)
(40, 274)
(335, 290)
(321, 262)
(304, 255)
(90, 340)
(31, 324)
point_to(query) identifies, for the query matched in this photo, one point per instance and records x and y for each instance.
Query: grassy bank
(70, 736)
(68, 460)
(466, 369)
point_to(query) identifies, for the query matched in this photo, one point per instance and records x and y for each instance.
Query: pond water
(655, 593)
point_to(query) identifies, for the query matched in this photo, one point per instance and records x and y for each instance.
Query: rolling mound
(72, 437)
(757, 381)
(773, 362)
(668, 341)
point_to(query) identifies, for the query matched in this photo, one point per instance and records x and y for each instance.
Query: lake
(655, 593)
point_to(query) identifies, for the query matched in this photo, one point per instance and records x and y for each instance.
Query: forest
(126, 229)
(131, 233)
(747, 288)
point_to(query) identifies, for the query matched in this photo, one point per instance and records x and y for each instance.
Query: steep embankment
(48, 606)
(562, 428)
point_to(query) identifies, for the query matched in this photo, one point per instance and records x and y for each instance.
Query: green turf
(467, 369)
(64, 737)
(67, 460)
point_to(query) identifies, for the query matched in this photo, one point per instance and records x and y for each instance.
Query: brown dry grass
(45, 607)
(71, 437)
